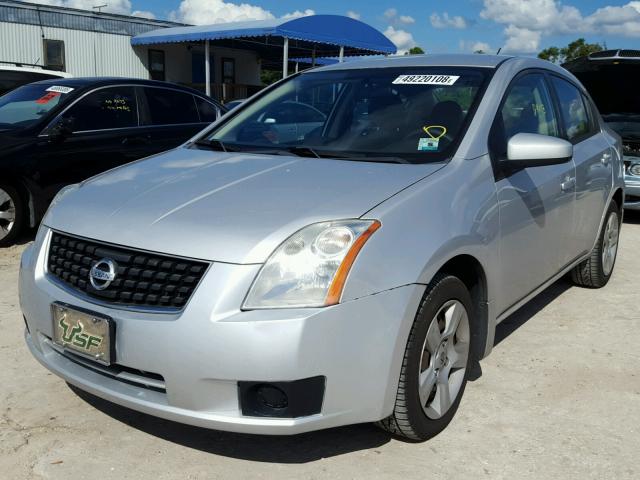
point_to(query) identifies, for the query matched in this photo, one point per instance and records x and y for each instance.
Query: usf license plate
(84, 333)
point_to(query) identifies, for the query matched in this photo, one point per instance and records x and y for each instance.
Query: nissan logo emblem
(102, 274)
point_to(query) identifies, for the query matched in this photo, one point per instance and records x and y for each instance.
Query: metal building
(86, 43)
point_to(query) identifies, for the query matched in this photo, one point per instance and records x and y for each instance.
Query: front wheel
(436, 362)
(11, 214)
(596, 271)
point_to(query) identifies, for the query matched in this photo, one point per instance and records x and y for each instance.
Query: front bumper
(203, 352)
(631, 185)
(632, 192)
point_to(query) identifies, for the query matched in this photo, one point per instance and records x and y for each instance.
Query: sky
(454, 26)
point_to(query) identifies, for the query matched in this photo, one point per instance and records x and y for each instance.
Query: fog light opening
(272, 397)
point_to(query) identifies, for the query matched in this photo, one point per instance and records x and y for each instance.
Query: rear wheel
(11, 214)
(436, 362)
(596, 271)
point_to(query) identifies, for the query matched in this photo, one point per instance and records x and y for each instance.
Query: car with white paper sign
(346, 262)
(62, 131)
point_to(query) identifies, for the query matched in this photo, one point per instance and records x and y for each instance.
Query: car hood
(227, 207)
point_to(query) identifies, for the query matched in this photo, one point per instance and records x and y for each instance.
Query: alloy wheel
(7, 214)
(443, 362)
(610, 243)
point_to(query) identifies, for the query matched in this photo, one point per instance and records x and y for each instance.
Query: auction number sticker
(60, 89)
(446, 80)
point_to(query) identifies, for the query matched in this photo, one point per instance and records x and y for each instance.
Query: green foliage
(415, 51)
(577, 48)
(267, 77)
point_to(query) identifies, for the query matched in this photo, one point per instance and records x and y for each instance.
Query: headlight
(634, 169)
(310, 268)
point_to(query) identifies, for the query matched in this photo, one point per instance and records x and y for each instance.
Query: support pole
(297, 67)
(341, 59)
(207, 72)
(285, 58)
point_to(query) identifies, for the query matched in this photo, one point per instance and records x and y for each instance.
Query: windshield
(26, 105)
(406, 115)
(613, 87)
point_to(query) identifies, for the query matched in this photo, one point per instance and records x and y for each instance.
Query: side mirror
(62, 129)
(533, 150)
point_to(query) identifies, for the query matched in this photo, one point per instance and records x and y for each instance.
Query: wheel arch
(470, 271)
(618, 197)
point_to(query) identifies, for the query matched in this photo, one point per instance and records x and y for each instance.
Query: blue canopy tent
(312, 36)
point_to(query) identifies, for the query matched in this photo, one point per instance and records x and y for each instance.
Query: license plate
(84, 333)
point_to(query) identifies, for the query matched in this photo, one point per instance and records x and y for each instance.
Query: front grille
(143, 279)
(630, 53)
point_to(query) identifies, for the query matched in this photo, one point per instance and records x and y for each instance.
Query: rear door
(536, 204)
(173, 116)
(592, 155)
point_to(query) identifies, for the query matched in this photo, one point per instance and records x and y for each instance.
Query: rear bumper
(203, 352)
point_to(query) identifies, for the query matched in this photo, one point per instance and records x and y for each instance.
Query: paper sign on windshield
(60, 89)
(426, 80)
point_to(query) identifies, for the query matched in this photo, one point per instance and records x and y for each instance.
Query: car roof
(444, 60)
(450, 60)
(91, 82)
(44, 71)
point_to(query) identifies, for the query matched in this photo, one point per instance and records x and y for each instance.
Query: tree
(415, 51)
(551, 54)
(270, 76)
(577, 48)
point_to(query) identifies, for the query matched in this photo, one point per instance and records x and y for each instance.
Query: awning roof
(357, 37)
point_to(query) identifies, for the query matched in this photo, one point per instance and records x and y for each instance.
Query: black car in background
(58, 132)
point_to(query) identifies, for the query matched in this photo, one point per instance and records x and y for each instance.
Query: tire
(12, 214)
(596, 271)
(420, 418)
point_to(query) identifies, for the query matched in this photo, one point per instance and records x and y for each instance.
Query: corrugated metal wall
(86, 53)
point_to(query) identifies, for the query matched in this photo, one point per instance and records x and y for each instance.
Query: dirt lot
(559, 397)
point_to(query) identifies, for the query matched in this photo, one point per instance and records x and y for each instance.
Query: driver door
(536, 204)
(100, 128)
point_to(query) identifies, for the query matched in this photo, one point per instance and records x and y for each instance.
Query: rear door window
(170, 107)
(106, 108)
(576, 119)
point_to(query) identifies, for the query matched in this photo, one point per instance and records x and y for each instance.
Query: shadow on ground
(295, 449)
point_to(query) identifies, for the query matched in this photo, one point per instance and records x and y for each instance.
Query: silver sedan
(292, 269)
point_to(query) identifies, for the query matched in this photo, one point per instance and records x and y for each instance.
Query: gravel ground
(559, 397)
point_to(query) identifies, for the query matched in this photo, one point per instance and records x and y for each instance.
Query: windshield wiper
(212, 144)
(303, 152)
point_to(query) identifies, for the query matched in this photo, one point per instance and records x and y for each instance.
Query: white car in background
(14, 75)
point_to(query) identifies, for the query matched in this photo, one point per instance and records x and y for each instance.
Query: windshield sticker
(426, 80)
(430, 144)
(60, 89)
(47, 98)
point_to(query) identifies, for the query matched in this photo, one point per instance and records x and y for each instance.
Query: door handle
(141, 140)
(568, 184)
(604, 160)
